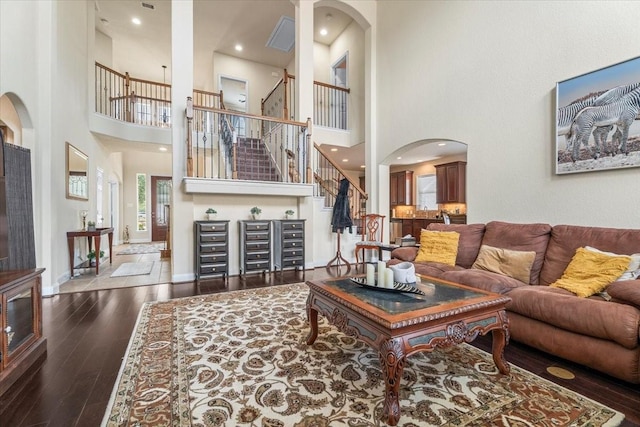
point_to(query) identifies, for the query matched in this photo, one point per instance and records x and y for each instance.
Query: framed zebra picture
(597, 119)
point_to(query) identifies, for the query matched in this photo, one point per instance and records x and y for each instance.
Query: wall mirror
(77, 169)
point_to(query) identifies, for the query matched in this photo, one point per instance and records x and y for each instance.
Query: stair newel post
(222, 107)
(285, 106)
(189, 114)
(234, 160)
(309, 150)
(127, 104)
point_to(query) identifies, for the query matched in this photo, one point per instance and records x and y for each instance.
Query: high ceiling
(218, 26)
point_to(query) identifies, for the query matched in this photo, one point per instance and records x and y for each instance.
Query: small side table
(93, 235)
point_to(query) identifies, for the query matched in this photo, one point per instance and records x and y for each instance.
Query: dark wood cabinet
(413, 226)
(288, 239)
(255, 246)
(211, 240)
(451, 182)
(401, 188)
(21, 340)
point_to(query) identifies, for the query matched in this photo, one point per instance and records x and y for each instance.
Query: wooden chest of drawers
(211, 248)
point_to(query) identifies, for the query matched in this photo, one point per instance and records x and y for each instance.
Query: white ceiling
(218, 26)
(420, 152)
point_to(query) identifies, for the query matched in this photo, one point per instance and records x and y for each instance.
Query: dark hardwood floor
(88, 332)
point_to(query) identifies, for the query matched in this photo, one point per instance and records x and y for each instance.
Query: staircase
(254, 161)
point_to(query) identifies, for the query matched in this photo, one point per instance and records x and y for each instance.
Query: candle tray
(397, 286)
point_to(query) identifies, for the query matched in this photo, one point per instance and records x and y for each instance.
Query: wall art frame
(598, 119)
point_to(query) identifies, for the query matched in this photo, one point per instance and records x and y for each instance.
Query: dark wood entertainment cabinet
(21, 340)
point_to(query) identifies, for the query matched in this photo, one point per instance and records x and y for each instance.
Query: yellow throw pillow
(438, 246)
(590, 272)
(515, 264)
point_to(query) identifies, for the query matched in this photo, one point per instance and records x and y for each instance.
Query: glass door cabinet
(21, 340)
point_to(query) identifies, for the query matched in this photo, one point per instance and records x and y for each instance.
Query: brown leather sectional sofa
(601, 331)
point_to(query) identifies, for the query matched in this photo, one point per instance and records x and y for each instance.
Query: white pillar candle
(371, 275)
(388, 278)
(381, 268)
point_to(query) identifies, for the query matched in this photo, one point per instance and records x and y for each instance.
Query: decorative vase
(211, 217)
(255, 216)
(91, 228)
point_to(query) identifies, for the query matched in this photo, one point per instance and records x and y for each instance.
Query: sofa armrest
(405, 253)
(626, 292)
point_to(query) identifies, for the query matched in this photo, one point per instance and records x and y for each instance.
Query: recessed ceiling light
(162, 148)
(239, 47)
(323, 32)
(442, 144)
(334, 149)
(399, 157)
(345, 160)
(136, 21)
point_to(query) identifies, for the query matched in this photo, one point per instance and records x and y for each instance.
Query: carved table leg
(312, 317)
(500, 337)
(392, 359)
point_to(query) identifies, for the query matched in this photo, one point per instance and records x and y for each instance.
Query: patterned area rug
(240, 358)
(141, 248)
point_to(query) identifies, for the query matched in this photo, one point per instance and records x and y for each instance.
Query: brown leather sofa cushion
(481, 279)
(588, 316)
(520, 237)
(405, 253)
(565, 239)
(626, 292)
(469, 242)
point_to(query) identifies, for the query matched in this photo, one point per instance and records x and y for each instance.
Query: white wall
(484, 73)
(50, 85)
(351, 41)
(103, 50)
(321, 63)
(259, 77)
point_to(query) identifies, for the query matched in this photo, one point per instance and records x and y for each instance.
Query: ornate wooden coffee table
(398, 325)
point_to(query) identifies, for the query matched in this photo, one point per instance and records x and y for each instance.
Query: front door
(160, 204)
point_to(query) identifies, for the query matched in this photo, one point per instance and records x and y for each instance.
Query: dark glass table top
(437, 293)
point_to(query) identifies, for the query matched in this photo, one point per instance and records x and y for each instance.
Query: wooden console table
(94, 235)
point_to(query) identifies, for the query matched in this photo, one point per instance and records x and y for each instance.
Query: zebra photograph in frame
(597, 119)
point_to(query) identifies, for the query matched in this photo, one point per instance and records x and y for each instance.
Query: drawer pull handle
(293, 244)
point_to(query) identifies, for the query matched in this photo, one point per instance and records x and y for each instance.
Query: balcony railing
(132, 100)
(327, 176)
(330, 103)
(222, 144)
(138, 101)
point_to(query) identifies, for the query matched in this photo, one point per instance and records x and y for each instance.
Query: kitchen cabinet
(451, 182)
(413, 226)
(401, 188)
(21, 339)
